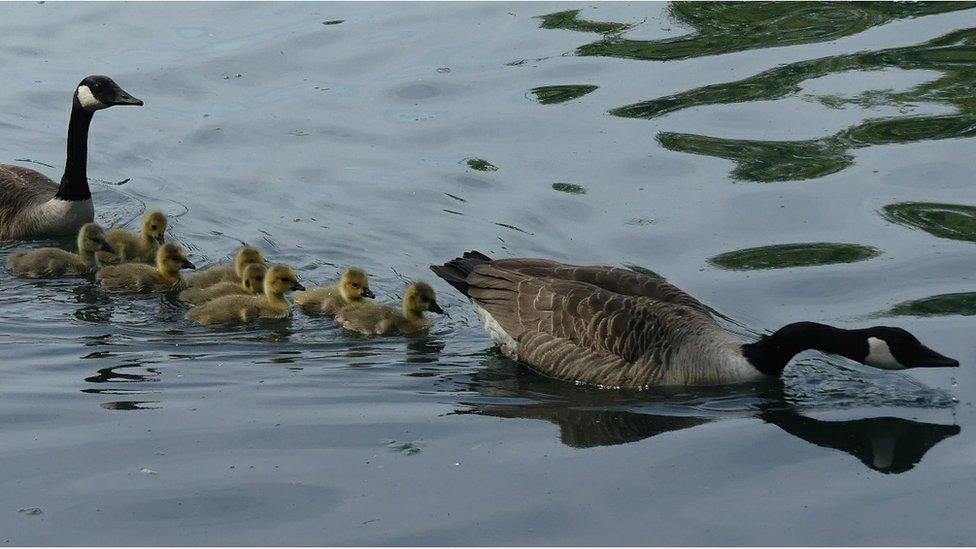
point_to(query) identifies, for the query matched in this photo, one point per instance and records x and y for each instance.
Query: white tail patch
(879, 355)
(88, 100)
(505, 342)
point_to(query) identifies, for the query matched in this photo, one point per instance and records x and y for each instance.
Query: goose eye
(354, 285)
(154, 227)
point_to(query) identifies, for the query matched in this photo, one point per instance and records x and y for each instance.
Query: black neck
(773, 352)
(74, 182)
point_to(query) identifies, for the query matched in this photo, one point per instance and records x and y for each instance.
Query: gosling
(253, 284)
(138, 277)
(56, 263)
(244, 309)
(226, 273)
(133, 247)
(377, 319)
(351, 291)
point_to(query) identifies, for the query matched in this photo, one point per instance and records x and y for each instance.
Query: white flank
(61, 217)
(87, 99)
(505, 342)
(879, 355)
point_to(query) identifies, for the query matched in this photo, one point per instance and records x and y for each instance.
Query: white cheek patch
(87, 99)
(879, 355)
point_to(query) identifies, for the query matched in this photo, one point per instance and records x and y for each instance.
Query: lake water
(780, 162)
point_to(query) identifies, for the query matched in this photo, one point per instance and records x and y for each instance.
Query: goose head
(892, 348)
(253, 279)
(246, 256)
(91, 239)
(419, 297)
(98, 92)
(281, 279)
(170, 258)
(154, 225)
(354, 285)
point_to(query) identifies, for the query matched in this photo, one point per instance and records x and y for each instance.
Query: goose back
(28, 208)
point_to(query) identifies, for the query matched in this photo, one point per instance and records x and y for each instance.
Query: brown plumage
(139, 277)
(226, 273)
(378, 319)
(55, 262)
(139, 247)
(253, 284)
(351, 291)
(243, 309)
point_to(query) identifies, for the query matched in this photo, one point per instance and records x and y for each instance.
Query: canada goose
(279, 280)
(55, 262)
(375, 318)
(136, 248)
(226, 273)
(617, 328)
(31, 204)
(139, 277)
(350, 291)
(253, 284)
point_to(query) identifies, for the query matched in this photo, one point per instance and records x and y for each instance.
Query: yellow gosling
(226, 273)
(139, 277)
(377, 319)
(56, 263)
(243, 309)
(133, 247)
(253, 284)
(351, 291)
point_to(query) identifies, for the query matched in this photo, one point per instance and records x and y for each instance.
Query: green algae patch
(784, 256)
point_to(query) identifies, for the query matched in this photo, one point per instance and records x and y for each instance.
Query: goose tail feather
(455, 272)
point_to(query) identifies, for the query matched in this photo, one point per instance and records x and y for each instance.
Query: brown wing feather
(20, 190)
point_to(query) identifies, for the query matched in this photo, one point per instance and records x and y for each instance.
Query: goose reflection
(588, 417)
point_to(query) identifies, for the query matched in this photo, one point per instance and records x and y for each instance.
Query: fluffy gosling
(377, 319)
(139, 277)
(56, 263)
(243, 309)
(139, 247)
(352, 290)
(253, 284)
(226, 273)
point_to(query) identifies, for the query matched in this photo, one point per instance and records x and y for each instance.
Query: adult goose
(617, 328)
(31, 204)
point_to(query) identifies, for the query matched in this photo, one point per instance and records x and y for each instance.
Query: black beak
(297, 286)
(188, 265)
(368, 293)
(122, 97)
(435, 308)
(161, 239)
(106, 247)
(927, 358)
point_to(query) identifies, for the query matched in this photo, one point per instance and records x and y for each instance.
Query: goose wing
(20, 189)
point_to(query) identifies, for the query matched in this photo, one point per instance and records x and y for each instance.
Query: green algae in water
(569, 20)
(570, 188)
(481, 165)
(963, 304)
(643, 271)
(551, 95)
(952, 221)
(782, 256)
(333, 22)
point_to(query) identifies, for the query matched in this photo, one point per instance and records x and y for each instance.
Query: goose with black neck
(32, 205)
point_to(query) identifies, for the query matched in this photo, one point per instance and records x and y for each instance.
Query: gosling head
(246, 256)
(354, 285)
(279, 280)
(895, 349)
(253, 279)
(91, 239)
(170, 258)
(154, 226)
(419, 297)
(98, 92)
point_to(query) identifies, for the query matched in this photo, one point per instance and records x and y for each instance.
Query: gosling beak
(297, 286)
(161, 238)
(123, 97)
(435, 308)
(368, 293)
(927, 358)
(106, 247)
(188, 265)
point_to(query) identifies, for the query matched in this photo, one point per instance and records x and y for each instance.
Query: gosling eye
(355, 285)
(154, 227)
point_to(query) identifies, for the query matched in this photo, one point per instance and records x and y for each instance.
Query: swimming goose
(139, 277)
(378, 319)
(55, 262)
(226, 273)
(131, 247)
(253, 284)
(617, 328)
(350, 291)
(279, 280)
(31, 204)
